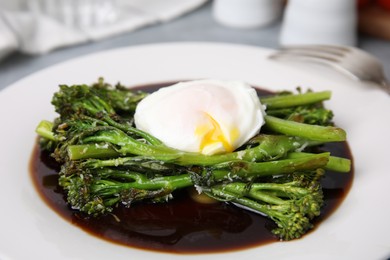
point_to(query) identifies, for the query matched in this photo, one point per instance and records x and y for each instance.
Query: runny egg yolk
(212, 138)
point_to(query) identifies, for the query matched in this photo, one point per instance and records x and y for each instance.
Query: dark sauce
(182, 225)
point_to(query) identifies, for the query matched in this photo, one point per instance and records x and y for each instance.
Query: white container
(319, 22)
(247, 13)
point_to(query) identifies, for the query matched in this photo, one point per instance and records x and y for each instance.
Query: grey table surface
(198, 25)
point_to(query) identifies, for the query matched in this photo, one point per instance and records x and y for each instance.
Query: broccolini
(107, 162)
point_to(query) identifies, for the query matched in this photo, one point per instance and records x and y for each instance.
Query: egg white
(205, 116)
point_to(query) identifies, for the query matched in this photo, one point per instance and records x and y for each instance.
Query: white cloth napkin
(26, 32)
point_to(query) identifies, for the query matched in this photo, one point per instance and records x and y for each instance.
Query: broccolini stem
(239, 200)
(335, 163)
(140, 181)
(284, 101)
(129, 129)
(129, 145)
(45, 130)
(91, 151)
(255, 191)
(268, 147)
(311, 132)
(250, 170)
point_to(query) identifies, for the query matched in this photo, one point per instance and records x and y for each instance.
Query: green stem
(129, 129)
(220, 192)
(268, 147)
(254, 192)
(248, 170)
(78, 152)
(284, 101)
(45, 130)
(165, 182)
(311, 132)
(335, 163)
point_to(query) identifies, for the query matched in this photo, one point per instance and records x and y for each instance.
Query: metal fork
(351, 61)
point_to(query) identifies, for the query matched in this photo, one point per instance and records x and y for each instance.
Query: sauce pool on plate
(182, 225)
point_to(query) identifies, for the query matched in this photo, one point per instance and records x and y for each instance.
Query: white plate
(359, 229)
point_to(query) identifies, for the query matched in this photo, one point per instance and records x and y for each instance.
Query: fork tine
(351, 61)
(329, 49)
(331, 54)
(313, 56)
(304, 56)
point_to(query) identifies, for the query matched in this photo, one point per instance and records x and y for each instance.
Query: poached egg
(203, 116)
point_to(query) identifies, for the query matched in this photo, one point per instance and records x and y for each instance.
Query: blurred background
(35, 34)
